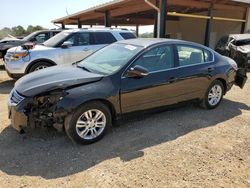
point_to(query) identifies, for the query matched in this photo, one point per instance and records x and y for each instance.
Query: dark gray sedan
(84, 99)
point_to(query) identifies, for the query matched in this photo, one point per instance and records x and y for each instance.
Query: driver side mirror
(137, 72)
(67, 44)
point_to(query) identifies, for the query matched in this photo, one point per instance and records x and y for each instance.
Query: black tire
(39, 64)
(71, 128)
(2, 54)
(205, 102)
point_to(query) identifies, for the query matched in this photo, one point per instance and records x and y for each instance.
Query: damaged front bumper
(38, 111)
(18, 119)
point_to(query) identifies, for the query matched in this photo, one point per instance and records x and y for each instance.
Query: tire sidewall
(205, 101)
(70, 127)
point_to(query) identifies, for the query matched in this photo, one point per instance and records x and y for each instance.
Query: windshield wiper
(84, 68)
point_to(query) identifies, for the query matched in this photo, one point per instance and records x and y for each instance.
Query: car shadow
(50, 154)
(6, 86)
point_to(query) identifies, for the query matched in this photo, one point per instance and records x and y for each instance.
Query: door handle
(172, 79)
(210, 69)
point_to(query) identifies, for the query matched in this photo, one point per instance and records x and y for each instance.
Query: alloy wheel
(40, 67)
(91, 124)
(215, 95)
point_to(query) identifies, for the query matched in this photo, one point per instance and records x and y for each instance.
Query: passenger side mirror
(67, 44)
(137, 72)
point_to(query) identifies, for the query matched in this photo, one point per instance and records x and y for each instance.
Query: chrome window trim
(173, 68)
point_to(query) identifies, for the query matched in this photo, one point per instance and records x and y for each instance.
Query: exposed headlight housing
(19, 55)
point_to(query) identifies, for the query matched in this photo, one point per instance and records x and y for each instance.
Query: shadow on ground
(6, 86)
(2, 67)
(52, 155)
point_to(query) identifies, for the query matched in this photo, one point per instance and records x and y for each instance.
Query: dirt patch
(183, 147)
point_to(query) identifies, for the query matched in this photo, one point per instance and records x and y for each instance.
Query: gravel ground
(182, 147)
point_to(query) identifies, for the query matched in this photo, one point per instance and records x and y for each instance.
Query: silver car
(66, 47)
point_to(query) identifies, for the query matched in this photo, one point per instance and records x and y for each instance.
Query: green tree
(18, 31)
(31, 29)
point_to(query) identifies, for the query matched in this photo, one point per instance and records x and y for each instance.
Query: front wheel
(89, 123)
(39, 66)
(213, 96)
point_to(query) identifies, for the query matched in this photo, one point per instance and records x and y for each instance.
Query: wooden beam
(107, 19)
(163, 16)
(209, 25)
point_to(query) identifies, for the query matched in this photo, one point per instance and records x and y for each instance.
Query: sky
(40, 12)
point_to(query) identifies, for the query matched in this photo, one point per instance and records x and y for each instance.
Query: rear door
(102, 39)
(196, 67)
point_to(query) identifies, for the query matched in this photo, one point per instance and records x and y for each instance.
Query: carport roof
(131, 12)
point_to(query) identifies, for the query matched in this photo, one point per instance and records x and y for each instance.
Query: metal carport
(159, 12)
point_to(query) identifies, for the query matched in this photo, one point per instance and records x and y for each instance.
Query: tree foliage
(19, 31)
(146, 35)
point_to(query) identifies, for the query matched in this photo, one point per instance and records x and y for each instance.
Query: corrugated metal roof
(110, 3)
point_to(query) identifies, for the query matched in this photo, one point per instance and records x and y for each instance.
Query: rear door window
(80, 39)
(189, 55)
(128, 35)
(103, 38)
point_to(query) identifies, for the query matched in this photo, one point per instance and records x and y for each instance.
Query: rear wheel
(214, 95)
(89, 123)
(39, 66)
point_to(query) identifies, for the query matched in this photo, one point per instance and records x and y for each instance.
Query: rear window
(104, 38)
(128, 36)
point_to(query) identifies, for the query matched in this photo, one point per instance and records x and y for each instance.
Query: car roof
(97, 30)
(147, 42)
(240, 36)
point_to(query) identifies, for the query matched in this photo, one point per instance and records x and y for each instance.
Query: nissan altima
(85, 98)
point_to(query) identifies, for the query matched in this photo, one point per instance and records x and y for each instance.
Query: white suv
(66, 47)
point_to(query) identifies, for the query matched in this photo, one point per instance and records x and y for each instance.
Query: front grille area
(15, 97)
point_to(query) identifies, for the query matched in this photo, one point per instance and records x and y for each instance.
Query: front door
(157, 88)
(82, 46)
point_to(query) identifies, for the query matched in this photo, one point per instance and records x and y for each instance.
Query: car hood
(57, 77)
(8, 40)
(20, 48)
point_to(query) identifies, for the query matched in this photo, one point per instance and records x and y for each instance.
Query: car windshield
(110, 58)
(53, 41)
(30, 36)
